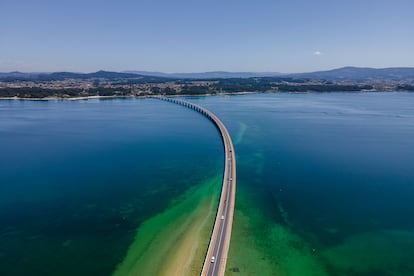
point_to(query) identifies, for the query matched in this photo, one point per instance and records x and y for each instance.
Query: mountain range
(360, 74)
(356, 74)
(207, 75)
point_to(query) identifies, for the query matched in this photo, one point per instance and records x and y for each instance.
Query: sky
(211, 35)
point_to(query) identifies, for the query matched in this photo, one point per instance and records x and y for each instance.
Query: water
(78, 178)
(325, 181)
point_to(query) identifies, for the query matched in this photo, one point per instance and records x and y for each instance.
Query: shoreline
(66, 98)
(118, 97)
(181, 95)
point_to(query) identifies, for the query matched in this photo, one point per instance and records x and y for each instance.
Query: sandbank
(175, 241)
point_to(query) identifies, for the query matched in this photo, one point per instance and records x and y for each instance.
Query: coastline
(66, 98)
(181, 95)
(116, 97)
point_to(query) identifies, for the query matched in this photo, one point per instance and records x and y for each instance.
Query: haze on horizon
(199, 36)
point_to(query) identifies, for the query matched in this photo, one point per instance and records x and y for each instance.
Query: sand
(54, 98)
(175, 241)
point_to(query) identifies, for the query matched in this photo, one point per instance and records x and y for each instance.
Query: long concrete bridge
(216, 257)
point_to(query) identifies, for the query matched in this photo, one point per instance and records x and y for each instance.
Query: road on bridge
(216, 257)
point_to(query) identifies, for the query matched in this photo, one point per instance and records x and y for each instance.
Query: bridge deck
(220, 237)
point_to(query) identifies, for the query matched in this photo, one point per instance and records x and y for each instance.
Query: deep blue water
(334, 169)
(78, 177)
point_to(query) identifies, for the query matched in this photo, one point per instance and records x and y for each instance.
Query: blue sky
(209, 35)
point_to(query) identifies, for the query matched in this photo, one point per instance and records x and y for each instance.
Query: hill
(13, 76)
(208, 75)
(352, 74)
(361, 74)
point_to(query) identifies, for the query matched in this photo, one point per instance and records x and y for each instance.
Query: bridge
(216, 256)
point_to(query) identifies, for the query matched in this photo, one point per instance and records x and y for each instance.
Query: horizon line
(202, 72)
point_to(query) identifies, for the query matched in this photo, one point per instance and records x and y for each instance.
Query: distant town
(111, 84)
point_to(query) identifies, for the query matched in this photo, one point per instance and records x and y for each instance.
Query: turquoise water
(325, 181)
(79, 177)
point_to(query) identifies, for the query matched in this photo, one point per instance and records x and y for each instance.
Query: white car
(222, 217)
(213, 259)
